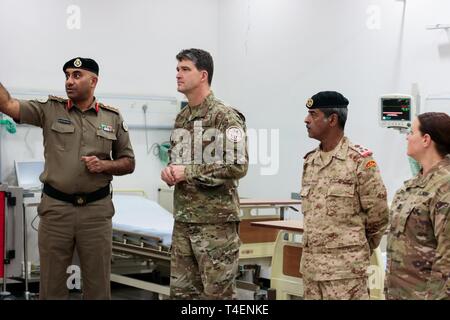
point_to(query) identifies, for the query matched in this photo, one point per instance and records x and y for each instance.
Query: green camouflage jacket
(419, 239)
(210, 140)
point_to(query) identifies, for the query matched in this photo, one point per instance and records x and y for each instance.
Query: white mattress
(140, 215)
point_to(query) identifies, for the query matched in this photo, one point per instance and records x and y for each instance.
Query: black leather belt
(78, 199)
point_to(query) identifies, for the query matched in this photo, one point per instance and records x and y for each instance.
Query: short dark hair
(437, 126)
(201, 59)
(340, 112)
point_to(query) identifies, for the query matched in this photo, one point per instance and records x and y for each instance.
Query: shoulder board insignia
(307, 155)
(115, 110)
(42, 100)
(59, 99)
(363, 151)
(239, 114)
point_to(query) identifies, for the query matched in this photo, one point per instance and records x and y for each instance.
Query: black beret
(327, 99)
(82, 63)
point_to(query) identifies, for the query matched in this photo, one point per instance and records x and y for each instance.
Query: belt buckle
(80, 200)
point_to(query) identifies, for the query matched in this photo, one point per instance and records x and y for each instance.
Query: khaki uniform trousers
(64, 227)
(345, 289)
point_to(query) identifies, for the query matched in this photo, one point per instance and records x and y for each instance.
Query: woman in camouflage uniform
(419, 238)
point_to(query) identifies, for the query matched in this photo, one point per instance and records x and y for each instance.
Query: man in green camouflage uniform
(208, 156)
(344, 205)
(419, 238)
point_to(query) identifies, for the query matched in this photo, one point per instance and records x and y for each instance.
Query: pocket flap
(63, 128)
(400, 220)
(341, 190)
(106, 135)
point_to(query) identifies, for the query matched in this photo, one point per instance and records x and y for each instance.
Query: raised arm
(8, 105)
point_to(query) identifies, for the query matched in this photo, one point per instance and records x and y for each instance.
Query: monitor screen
(28, 172)
(396, 109)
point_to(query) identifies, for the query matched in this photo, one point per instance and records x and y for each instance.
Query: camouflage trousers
(344, 289)
(204, 260)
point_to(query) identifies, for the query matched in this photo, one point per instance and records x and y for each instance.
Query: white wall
(134, 42)
(279, 53)
(270, 56)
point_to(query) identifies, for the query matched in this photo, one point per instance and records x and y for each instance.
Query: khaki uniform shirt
(209, 194)
(70, 134)
(419, 238)
(345, 212)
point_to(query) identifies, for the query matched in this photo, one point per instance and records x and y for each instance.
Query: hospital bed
(142, 231)
(142, 236)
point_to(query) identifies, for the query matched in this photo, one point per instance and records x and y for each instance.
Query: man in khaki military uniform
(344, 205)
(208, 156)
(85, 144)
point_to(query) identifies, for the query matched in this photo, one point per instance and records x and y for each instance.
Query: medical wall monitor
(396, 111)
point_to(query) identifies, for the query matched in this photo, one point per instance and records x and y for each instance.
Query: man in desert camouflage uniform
(208, 156)
(85, 144)
(344, 205)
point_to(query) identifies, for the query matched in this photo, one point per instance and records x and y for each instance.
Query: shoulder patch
(235, 134)
(59, 99)
(363, 151)
(109, 108)
(371, 164)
